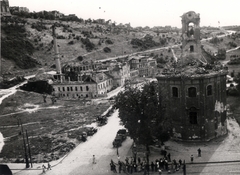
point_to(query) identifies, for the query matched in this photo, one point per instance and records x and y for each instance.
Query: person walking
(199, 152)
(43, 168)
(49, 166)
(169, 157)
(119, 166)
(94, 160)
(191, 158)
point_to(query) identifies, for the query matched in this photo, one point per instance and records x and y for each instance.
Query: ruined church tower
(191, 45)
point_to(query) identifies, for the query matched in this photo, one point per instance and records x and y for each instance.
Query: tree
(142, 112)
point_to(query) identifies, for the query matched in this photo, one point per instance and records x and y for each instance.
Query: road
(79, 161)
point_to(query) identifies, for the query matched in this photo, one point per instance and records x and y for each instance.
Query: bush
(88, 44)
(60, 37)
(71, 43)
(108, 41)
(107, 50)
(80, 58)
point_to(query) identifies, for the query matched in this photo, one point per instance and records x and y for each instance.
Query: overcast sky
(142, 12)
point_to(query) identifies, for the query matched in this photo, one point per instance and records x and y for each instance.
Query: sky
(142, 12)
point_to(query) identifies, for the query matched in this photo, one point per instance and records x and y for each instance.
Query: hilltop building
(195, 89)
(5, 11)
(17, 9)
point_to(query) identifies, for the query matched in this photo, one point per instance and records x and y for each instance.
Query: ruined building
(195, 88)
(5, 8)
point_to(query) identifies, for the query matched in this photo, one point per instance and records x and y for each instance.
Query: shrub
(71, 42)
(107, 49)
(108, 41)
(80, 58)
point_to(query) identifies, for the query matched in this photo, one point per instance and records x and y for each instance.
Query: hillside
(33, 47)
(76, 41)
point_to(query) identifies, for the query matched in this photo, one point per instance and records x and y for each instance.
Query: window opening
(192, 92)
(191, 48)
(193, 116)
(209, 90)
(174, 91)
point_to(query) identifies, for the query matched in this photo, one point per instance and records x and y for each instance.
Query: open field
(53, 129)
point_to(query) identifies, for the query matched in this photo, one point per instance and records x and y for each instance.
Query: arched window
(175, 92)
(192, 92)
(209, 90)
(193, 116)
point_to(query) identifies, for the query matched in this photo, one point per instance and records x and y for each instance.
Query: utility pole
(184, 168)
(24, 144)
(29, 149)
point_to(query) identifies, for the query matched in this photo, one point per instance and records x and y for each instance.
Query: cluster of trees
(107, 49)
(147, 42)
(88, 44)
(45, 15)
(142, 112)
(215, 40)
(38, 26)
(232, 44)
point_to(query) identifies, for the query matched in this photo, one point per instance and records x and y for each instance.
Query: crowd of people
(132, 165)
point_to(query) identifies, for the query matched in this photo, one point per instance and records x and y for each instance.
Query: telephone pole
(24, 144)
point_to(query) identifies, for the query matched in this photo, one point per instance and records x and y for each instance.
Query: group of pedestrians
(44, 168)
(132, 164)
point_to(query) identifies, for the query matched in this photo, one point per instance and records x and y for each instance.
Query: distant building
(5, 10)
(134, 73)
(57, 14)
(120, 74)
(23, 9)
(17, 9)
(146, 66)
(100, 21)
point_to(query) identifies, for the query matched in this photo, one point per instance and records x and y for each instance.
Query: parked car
(117, 141)
(122, 133)
(84, 136)
(91, 131)
(102, 120)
